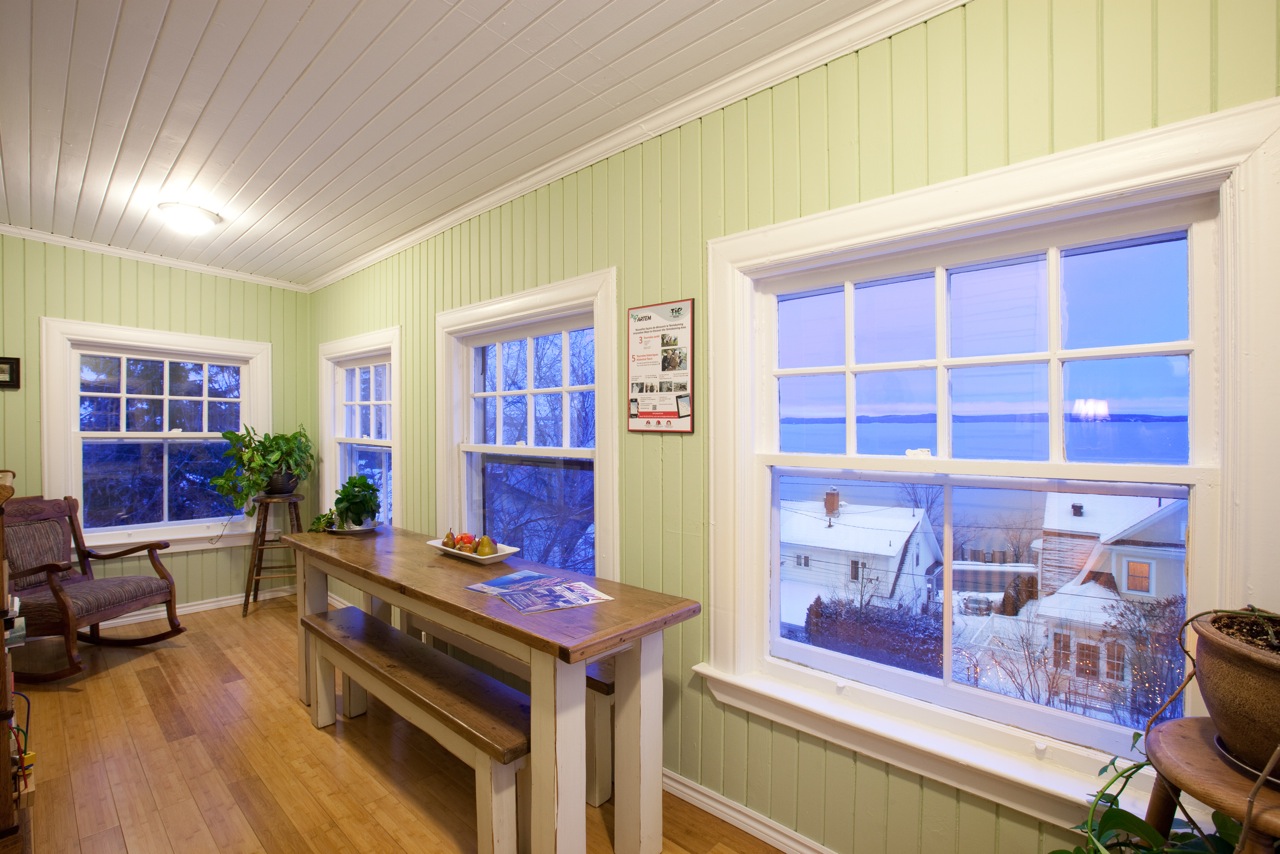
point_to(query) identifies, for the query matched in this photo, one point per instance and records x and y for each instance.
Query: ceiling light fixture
(187, 219)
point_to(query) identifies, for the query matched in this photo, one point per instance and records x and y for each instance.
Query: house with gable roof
(884, 556)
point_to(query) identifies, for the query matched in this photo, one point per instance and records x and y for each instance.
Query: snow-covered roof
(1079, 603)
(859, 528)
(1105, 516)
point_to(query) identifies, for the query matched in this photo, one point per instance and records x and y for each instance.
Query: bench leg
(355, 699)
(599, 748)
(324, 705)
(496, 824)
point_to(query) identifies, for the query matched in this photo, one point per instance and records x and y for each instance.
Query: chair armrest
(94, 554)
(50, 569)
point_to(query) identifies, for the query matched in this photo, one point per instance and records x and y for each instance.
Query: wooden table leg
(558, 755)
(637, 788)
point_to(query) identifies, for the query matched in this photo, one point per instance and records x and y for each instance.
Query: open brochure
(569, 594)
(530, 592)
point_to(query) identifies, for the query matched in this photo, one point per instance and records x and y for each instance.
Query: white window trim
(60, 384)
(1233, 154)
(333, 356)
(592, 293)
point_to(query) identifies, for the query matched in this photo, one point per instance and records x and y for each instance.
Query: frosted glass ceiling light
(188, 219)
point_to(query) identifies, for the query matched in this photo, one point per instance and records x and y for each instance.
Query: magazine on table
(568, 594)
(517, 580)
(529, 591)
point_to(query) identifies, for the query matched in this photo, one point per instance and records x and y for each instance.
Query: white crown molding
(855, 32)
(146, 258)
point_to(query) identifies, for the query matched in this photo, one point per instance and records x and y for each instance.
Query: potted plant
(357, 504)
(355, 507)
(272, 463)
(1237, 668)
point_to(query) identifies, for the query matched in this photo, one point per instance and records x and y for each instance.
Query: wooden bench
(474, 716)
(599, 698)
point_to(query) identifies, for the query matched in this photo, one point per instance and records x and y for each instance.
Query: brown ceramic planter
(1241, 688)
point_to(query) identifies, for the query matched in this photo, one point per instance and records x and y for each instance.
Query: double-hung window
(132, 424)
(527, 423)
(359, 432)
(1006, 396)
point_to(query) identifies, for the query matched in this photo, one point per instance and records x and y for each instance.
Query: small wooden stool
(260, 544)
(1186, 760)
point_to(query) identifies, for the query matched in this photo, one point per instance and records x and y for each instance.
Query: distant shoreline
(970, 419)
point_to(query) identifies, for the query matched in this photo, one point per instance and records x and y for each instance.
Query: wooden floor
(199, 743)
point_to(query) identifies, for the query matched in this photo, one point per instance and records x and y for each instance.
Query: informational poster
(660, 367)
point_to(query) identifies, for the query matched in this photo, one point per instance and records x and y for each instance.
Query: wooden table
(397, 567)
(1186, 759)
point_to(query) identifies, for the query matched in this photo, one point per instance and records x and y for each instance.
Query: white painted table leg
(313, 598)
(637, 778)
(558, 755)
(599, 748)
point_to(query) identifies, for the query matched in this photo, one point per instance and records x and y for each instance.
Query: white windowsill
(189, 539)
(1044, 778)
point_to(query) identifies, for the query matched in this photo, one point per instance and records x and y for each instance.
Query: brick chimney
(831, 503)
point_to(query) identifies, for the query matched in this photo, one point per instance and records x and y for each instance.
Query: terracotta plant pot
(1240, 684)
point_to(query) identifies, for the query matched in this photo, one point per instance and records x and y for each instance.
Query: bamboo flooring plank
(91, 794)
(109, 841)
(164, 776)
(53, 815)
(147, 833)
(191, 757)
(328, 839)
(226, 821)
(228, 749)
(185, 827)
(406, 826)
(268, 820)
(163, 700)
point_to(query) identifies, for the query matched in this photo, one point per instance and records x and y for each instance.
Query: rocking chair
(51, 576)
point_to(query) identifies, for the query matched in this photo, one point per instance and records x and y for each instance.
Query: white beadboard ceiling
(327, 134)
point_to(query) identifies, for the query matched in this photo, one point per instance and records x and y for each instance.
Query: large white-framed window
(782, 429)
(131, 424)
(360, 426)
(527, 422)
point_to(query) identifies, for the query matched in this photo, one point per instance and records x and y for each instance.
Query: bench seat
(477, 718)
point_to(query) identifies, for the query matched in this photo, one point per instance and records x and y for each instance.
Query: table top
(1183, 752)
(401, 561)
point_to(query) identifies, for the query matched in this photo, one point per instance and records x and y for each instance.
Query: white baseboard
(157, 612)
(764, 829)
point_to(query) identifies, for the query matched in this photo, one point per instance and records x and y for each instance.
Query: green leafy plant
(1110, 827)
(255, 459)
(357, 502)
(324, 522)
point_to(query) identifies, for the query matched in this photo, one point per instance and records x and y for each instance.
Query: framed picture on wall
(10, 373)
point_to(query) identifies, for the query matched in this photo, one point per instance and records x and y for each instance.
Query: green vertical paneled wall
(981, 86)
(43, 280)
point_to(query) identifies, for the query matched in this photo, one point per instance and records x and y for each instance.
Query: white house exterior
(887, 556)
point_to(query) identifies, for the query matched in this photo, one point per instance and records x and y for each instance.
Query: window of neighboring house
(853, 570)
(528, 455)
(1029, 361)
(1087, 656)
(135, 431)
(1138, 576)
(360, 377)
(1115, 661)
(1061, 651)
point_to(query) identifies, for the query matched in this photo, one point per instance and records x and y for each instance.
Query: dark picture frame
(10, 373)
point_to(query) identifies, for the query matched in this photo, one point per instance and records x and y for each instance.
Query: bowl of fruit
(468, 546)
